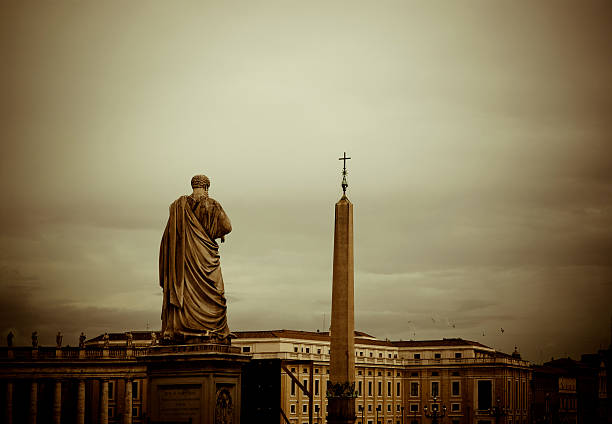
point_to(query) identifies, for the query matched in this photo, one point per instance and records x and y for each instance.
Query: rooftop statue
(194, 305)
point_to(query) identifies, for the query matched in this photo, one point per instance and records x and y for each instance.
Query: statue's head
(200, 181)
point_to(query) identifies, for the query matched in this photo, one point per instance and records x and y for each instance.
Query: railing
(23, 353)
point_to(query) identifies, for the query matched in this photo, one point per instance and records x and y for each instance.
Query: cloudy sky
(480, 137)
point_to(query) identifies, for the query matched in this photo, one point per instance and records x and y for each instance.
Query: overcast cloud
(480, 137)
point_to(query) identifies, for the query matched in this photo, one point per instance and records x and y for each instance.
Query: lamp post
(435, 414)
(402, 415)
(497, 411)
(362, 409)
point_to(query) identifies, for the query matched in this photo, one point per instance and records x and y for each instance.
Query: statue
(9, 339)
(58, 339)
(82, 340)
(194, 303)
(106, 340)
(129, 339)
(34, 339)
(153, 338)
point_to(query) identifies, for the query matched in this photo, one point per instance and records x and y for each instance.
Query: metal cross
(344, 183)
(344, 158)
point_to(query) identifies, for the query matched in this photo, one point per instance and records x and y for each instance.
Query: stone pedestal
(198, 381)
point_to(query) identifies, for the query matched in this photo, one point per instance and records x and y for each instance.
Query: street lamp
(497, 411)
(435, 414)
(362, 409)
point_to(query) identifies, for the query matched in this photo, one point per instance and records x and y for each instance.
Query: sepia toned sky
(481, 142)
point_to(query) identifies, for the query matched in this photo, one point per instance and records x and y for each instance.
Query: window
(435, 388)
(508, 394)
(455, 407)
(379, 388)
(414, 388)
(379, 373)
(435, 373)
(305, 369)
(246, 349)
(369, 408)
(316, 370)
(135, 411)
(295, 349)
(389, 392)
(484, 394)
(389, 355)
(292, 388)
(455, 388)
(388, 407)
(437, 355)
(397, 389)
(318, 351)
(398, 408)
(293, 408)
(414, 374)
(388, 374)
(380, 355)
(417, 356)
(457, 355)
(359, 388)
(414, 407)
(305, 408)
(316, 384)
(293, 369)
(307, 350)
(111, 390)
(369, 388)
(371, 354)
(135, 389)
(111, 412)
(305, 383)
(455, 374)
(316, 408)
(398, 374)
(360, 353)
(359, 372)
(369, 372)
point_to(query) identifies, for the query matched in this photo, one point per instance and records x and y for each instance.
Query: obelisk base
(341, 410)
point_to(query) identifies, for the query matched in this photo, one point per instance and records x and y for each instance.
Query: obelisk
(341, 385)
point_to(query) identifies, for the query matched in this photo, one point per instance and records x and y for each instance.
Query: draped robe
(190, 272)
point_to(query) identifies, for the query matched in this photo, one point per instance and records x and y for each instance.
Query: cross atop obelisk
(341, 384)
(344, 173)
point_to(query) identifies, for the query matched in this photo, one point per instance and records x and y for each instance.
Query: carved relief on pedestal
(224, 408)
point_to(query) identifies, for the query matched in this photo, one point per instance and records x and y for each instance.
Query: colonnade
(57, 402)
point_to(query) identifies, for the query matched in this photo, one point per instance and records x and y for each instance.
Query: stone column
(341, 385)
(127, 416)
(57, 403)
(81, 403)
(8, 418)
(104, 402)
(33, 401)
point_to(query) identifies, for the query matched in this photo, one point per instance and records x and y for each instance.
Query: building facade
(109, 380)
(395, 380)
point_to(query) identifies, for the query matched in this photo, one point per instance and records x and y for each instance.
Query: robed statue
(194, 305)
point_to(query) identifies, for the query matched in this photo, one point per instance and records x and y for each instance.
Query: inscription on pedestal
(179, 402)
